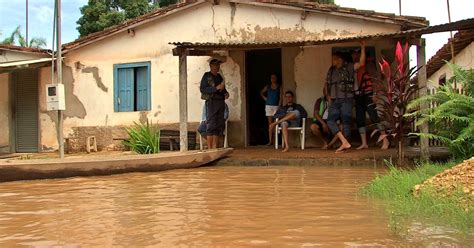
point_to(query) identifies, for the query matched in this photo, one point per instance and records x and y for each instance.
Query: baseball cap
(215, 62)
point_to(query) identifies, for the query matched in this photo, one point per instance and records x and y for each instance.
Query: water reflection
(215, 206)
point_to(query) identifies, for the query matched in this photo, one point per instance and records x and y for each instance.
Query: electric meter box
(55, 99)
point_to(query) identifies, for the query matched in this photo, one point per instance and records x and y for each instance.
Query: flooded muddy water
(284, 206)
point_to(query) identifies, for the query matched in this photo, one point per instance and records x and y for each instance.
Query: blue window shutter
(143, 89)
(125, 85)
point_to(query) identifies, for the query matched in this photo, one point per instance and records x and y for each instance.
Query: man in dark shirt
(339, 90)
(213, 91)
(289, 115)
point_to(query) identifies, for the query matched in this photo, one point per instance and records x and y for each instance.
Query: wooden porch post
(183, 100)
(422, 82)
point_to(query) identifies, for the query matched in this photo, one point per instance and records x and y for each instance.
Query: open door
(260, 64)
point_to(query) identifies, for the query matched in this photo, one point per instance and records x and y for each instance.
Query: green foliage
(143, 138)
(17, 38)
(394, 92)
(452, 121)
(164, 3)
(396, 187)
(100, 14)
(37, 42)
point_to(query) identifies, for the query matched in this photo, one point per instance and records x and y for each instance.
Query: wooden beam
(183, 101)
(422, 82)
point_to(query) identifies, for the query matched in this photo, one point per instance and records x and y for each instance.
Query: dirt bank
(459, 178)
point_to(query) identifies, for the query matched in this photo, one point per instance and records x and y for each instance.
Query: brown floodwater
(284, 206)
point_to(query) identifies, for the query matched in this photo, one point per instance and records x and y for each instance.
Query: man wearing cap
(339, 90)
(213, 91)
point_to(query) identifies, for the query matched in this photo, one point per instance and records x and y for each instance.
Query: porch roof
(31, 63)
(465, 24)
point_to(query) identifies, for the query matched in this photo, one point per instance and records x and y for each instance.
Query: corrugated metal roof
(414, 33)
(8, 66)
(460, 41)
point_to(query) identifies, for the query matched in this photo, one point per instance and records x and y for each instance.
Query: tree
(16, 38)
(100, 14)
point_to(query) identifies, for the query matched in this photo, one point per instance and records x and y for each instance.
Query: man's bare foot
(363, 146)
(324, 147)
(385, 145)
(269, 143)
(343, 148)
(285, 150)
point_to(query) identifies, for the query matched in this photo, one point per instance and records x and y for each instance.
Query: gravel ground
(459, 178)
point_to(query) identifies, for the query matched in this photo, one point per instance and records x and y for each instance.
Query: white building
(128, 73)
(437, 70)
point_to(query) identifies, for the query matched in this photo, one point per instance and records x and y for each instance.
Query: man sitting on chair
(289, 115)
(319, 127)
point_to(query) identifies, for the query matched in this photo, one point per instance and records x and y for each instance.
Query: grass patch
(143, 138)
(396, 189)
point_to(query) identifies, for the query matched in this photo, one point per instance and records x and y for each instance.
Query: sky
(12, 14)
(40, 14)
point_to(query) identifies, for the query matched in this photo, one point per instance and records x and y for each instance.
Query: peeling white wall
(48, 132)
(464, 59)
(219, 23)
(4, 110)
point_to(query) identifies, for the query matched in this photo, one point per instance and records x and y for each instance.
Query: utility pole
(26, 22)
(60, 76)
(451, 41)
(399, 7)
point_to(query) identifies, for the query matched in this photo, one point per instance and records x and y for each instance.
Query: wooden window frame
(147, 65)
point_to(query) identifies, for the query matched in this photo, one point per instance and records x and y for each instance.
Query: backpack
(346, 85)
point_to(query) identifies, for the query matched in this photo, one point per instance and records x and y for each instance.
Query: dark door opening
(26, 111)
(260, 64)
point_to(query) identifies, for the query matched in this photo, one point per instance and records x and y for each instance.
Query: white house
(437, 70)
(128, 73)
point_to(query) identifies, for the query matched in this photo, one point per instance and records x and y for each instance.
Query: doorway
(259, 65)
(26, 111)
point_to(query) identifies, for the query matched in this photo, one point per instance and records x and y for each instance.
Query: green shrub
(143, 138)
(452, 120)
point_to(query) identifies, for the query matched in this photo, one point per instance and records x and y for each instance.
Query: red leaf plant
(393, 93)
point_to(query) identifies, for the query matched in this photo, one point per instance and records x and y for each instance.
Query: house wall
(464, 59)
(9, 56)
(88, 71)
(4, 112)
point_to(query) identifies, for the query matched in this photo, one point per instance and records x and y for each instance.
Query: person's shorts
(317, 122)
(270, 110)
(295, 122)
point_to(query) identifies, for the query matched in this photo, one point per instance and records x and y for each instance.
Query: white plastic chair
(226, 144)
(300, 129)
